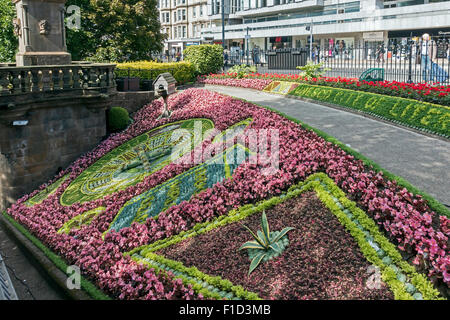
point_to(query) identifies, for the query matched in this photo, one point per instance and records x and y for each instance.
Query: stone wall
(57, 133)
(133, 100)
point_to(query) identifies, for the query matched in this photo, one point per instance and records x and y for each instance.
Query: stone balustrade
(72, 80)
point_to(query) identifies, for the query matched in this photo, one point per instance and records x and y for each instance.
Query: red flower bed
(433, 93)
(322, 261)
(406, 218)
(258, 84)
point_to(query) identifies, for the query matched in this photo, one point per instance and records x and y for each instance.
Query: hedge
(118, 119)
(182, 71)
(419, 115)
(206, 58)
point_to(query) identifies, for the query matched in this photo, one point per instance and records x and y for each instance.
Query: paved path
(20, 266)
(421, 160)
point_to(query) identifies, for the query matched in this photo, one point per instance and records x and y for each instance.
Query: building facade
(182, 22)
(275, 24)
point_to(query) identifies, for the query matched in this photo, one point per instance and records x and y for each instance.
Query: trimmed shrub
(416, 114)
(118, 119)
(182, 71)
(206, 58)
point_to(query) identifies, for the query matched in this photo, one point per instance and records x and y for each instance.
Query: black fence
(412, 61)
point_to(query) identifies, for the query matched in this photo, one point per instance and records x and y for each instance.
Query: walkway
(421, 160)
(27, 276)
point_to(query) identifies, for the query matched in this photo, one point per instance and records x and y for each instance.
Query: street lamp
(223, 28)
(309, 28)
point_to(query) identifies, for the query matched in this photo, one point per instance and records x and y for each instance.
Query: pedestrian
(380, 53)
(225, 57)
(428, 51)
(256, 55)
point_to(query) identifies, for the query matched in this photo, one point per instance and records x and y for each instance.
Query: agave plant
(266, 245)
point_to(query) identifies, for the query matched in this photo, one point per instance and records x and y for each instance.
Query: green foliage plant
(116, 31)
(8, 40)
(118, 119)
(183, 71)
(313, 70)
(206, 58)
(266, 245)
(242, 70)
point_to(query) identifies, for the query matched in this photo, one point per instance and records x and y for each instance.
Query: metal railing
(7, 291)
(400, 62)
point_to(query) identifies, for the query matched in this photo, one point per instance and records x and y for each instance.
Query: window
(175, 30)
(183, 12)
(184, 32)
(201, 10)
(217, 11)
(194, 12)
(179, 15)
(174, 16)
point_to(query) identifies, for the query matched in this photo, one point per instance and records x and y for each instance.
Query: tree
(8, 41)
(111, 30)
(116, 30)
(81, 43)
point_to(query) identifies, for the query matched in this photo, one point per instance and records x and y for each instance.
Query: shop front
(279, 43)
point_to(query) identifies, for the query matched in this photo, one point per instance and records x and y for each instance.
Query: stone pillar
(41, 31)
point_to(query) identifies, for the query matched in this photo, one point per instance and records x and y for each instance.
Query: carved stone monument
(41, 31)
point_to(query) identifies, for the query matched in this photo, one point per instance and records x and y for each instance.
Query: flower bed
(433, 93)
(418, 115)
(258, 84)
(318, 242)
(401, 277)
(404, 218)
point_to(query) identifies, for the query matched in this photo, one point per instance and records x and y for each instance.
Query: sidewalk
(21, 266)
(421, 160)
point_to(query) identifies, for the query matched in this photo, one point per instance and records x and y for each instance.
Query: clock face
(136, 159)
(180, 188)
